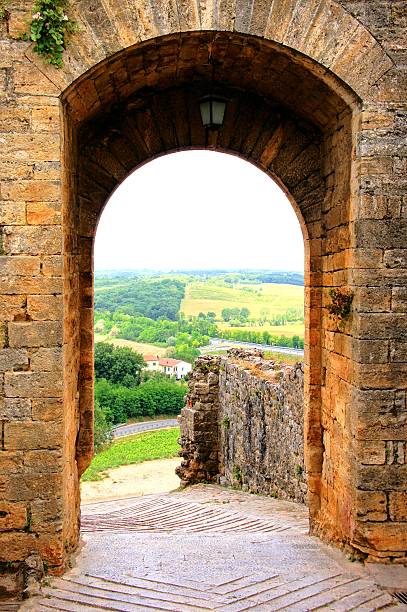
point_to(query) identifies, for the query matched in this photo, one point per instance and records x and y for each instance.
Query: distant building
(152, 362)
(174, 367)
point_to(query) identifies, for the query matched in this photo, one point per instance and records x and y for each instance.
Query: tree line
(149, 297)
(262, 337)
(181, 337)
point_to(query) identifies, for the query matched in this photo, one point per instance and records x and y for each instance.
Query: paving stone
(221, 557)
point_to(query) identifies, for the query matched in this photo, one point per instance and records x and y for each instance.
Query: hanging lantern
(212, 109)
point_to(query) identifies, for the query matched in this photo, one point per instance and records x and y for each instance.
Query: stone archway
(307, 84)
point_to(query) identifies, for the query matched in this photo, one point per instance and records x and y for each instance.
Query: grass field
(135, 449)
(260, 298)
(139, 347)
(282, 357)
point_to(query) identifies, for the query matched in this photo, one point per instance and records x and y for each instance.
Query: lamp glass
(205, 106)
(218, 111)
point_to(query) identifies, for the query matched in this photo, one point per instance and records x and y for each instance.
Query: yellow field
(263, 299)
(291, 329)
(139, 347)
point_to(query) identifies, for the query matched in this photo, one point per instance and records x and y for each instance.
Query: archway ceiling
(226, 60)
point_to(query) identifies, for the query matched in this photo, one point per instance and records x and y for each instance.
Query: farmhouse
(165, 365)
(152, 362)
(174, 367)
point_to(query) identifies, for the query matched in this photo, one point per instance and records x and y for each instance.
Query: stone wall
(244, 425)
(200, 424)
(317, 101)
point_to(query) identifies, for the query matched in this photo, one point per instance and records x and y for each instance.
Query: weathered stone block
(44, 513)
(11, 306)
(13, 359)
(32, 240)
(14, 119)
(29, 80)
(398, 351)
(11, 462)
(12, 516)
(372, 299)
(31, 147)
(395, 258)
(45, 307)
(372, 452)
(382, 326)
(35, 333)
(375, 402)
(386, 425)
(43, 213)
(16, 546)
(46, 360)
(45, 119)
(27, 435)
(398, 506)
(24, 285)
(384, 234)
(33, 384)
(12, 213)
(47, 409)
(389, 376)
(52, 265)
(32, 191)
(19, 266)
(383, 537)
(370, 351)
(381, 478)
(371, 506)
(18, 409)
(43, 461)
(399, 299)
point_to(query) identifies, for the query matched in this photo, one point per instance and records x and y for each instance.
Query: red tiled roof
(150, 357)
(169, 362)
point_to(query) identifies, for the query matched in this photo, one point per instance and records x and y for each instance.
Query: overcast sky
(198, 209)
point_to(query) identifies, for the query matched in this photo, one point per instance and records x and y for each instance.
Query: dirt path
(156, 476)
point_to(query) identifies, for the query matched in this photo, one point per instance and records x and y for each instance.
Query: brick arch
(326, 34)
(291, 124)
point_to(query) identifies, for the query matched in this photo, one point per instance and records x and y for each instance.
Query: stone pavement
(207, 548)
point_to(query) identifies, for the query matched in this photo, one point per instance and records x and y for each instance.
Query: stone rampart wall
(244, 425)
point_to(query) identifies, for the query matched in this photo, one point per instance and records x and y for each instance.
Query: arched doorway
(290, 124)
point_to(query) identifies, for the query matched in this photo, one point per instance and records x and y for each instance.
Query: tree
(102, 434)
(226, 314)
(244, 313)
(119, 365)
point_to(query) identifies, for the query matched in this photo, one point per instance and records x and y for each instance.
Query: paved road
(219, 343)
(126, 430)
(206, 550)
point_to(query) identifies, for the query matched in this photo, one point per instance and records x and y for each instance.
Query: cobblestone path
(207, 549)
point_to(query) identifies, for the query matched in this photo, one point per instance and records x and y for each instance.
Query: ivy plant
(50, 26)
(3, 10)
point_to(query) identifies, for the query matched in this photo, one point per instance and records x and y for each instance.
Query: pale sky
(199, 209)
